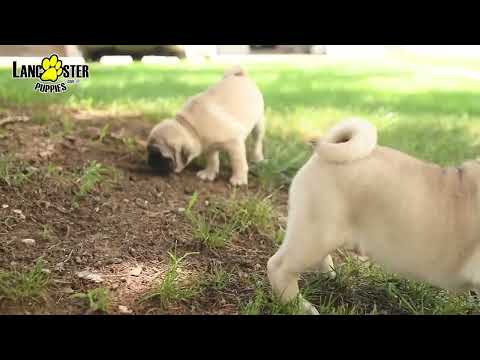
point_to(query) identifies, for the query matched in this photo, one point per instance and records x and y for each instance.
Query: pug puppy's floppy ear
(185, 155)
(182, 158)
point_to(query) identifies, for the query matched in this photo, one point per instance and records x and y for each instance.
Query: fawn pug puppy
(218, 119)
(412, 217)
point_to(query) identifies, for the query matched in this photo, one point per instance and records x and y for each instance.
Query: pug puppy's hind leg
(213, 167)
(238, 158)
(258, 135)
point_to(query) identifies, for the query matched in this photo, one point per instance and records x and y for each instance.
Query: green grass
(131, 144)
(215, 225)
(172, 288)
(361, 288)
(264, 303)
(13, 173)
(278, 237)
(52, 170)
(67, 126)
(282, 160)
(41, 118)
(92, 174)
(104, 133)
(26, 285)
(97, 300)
(46, 232)
(206, 227)
(252, 214)
(217, 279)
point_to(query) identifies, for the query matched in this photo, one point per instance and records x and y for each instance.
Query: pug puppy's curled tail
(349, 140)
(235, 71)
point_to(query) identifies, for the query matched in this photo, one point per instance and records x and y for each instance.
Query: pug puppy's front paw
(239, 180)
(308, 309)
(332, 274)
(207, 175)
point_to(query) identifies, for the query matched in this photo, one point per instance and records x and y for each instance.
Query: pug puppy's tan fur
(218, 119)
(414, 218)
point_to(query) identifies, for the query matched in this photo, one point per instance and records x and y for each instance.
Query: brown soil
(128, 221)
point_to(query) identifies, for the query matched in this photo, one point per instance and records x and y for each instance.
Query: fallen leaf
(188, 191)
(136, 271)
(88, 275)
(93, 132)
(19, 213)
(67, 290)
(28, 241)
(61, 281)
(153, 214)
(48, 152)
(70, 138)
(12, 119)
(124, 309)
(118, 135)
(32, 169)
(141, 203)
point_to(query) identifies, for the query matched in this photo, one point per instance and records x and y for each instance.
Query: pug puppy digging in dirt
(412, 217)
(218, 119)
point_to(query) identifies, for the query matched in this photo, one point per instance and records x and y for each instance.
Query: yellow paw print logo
(53, 68)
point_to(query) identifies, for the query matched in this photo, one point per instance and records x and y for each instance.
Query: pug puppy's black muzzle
(160, 164)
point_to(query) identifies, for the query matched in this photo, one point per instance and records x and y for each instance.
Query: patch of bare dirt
(123, 230)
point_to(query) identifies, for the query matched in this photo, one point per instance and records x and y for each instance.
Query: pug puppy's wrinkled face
(162, 162)
(167, 148)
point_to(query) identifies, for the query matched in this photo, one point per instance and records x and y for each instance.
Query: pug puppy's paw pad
(207, 175)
